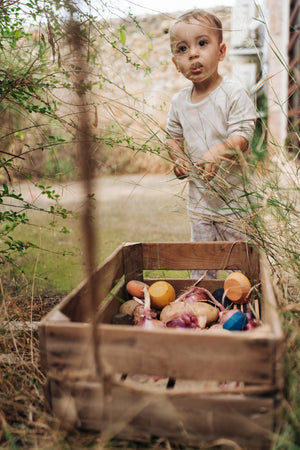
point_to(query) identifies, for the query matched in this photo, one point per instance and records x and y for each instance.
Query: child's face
(197, 51)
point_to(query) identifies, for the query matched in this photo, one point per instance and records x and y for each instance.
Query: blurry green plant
(37, 125)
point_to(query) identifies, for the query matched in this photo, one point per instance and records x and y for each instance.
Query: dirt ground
(108, 188)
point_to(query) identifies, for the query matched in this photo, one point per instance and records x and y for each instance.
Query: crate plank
(210, 255)
(269, 303)
(188, 354)
(67, 350)
(126, 349)
(133, 413)
(111, 305)
(182, 284)
(177, 416)
(271, 317)
(133, 261)
(75, 305)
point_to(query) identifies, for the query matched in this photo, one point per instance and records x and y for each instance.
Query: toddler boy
(210, 124)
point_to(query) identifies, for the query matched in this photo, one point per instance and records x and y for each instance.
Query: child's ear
(222, 51)
(174, 61)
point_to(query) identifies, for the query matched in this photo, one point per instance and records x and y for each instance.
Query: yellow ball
(161, 294)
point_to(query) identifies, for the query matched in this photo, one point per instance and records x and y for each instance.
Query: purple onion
(186, 320)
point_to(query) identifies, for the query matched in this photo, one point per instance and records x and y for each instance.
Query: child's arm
(210, 162)
(178, 156)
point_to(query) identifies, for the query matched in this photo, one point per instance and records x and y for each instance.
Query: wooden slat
(132, 350)
(186, 418)
(112, 305)
(189, 255)
(107, 274)
(270, 316)
(136, 414)
(133, 261)
(188, 355)
(182, 284)
(67, 350)
(269, 302)
(77, 403)
(250, 265)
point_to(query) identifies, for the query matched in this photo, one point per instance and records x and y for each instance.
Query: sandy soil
(107, 189)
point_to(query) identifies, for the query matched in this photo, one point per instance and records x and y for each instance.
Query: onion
(196, 297)
(199, 294)
(150, 324)
(226, 314)
(139, 314)
(186, 320)
(143, 313)
(251, 324)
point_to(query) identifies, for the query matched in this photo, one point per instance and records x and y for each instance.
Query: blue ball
(236, 322)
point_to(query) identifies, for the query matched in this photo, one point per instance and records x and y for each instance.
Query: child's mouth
(196, 70)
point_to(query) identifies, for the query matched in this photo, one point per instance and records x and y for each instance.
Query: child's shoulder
(232, 87)
(184, 93)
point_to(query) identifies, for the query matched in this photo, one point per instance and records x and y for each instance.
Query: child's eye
(202, 43)
(182, 48)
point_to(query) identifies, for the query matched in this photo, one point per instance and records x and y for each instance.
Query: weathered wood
(167, 353)
(133, 261)
(269, 304)
(269, 308)
(111, 305)
(182, 284)
(189, 255)
(177, 416)
(187, 354)
(69, 350)
(107, 275)
(250, 264)
(134, 413)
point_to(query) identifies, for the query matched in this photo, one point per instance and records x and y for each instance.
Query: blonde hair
(200, 15)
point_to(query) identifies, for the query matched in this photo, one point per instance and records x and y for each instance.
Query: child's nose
(194, 51)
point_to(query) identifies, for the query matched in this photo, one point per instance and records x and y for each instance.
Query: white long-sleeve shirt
(225, 112)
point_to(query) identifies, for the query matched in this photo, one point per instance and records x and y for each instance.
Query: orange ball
(161, 294)
(237, 287)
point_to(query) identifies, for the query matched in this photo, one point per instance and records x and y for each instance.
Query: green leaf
(122, 35)
(18, 33)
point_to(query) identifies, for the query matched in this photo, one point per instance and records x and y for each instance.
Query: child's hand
(210, 163)
(181, 169)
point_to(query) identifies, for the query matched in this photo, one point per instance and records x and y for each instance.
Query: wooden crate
(165, 382)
